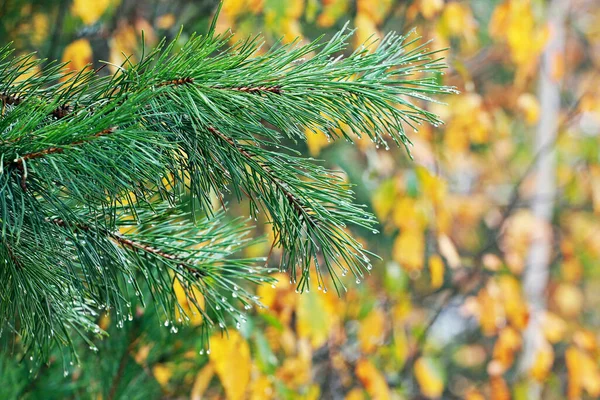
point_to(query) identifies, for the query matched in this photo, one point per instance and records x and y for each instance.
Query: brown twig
(52, 150)
(135, 245)
(177, 82)
(257, 89)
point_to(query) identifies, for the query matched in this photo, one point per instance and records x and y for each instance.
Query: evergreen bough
(108, 184)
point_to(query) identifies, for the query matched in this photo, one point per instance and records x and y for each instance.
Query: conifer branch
(207, 119)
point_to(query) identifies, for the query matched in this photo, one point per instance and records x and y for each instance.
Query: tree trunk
(535, 278)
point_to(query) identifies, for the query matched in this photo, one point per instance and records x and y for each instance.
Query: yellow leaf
(410, 214)
(372, 380)
(371, 331)
(429, 377)
(429, 8)
(355, 394)
(569, 299)
(89, 10)
(187, 305)
(317, 313)
(375, 10)
(543, 363)
(366, 30)
(165, 21)
(384, 199)
(513, 301)
(233, 8)
(513, 20)
(583, 373)
(40, 27)
(509, 341)
(316, 140)
(201, 382)
(409, 249)
(231, 359)
(79, 54)
(434, 187)
(261, 388)
(473, 394)
(333, 10)
(436, 271)
(554, 327)
(586, 340)
(401, 346)
(162, 374)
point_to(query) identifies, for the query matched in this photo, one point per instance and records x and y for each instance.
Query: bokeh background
(489, 283)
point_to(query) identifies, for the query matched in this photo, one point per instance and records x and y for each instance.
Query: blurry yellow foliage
(90, 10)
(429, 377)
(429, 8)
(366, 30)
(499, 389)
(508, 342)
(202, 381)
(513, 21)
(332, 11)
(375, 10)
(261, 388)
(233, 8)
(39, 28)
(230, 355)
(79, 54)
(317, 314)
(162, 373)
(583, 374)
(409, 249)
(296, 370)
(554, 327)
(457, 21)
(410, 214)
(474, 394)
(569, 299)
(316, 140)
(586, 340)
(401, 347)
(433, 187)
(530, 107)
(469, 123)
(436, 271)
(373, 381)
(384, 198)
(543, 363)
(370, 334)
(513, 301)
(165, 21)
(355, 394)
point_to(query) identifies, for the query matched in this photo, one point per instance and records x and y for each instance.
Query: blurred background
(489, 285)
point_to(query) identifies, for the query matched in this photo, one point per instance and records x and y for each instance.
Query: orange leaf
(429, 376)
(372, 380)
(79, 54)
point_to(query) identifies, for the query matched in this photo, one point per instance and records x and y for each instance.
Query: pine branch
(92, 213)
